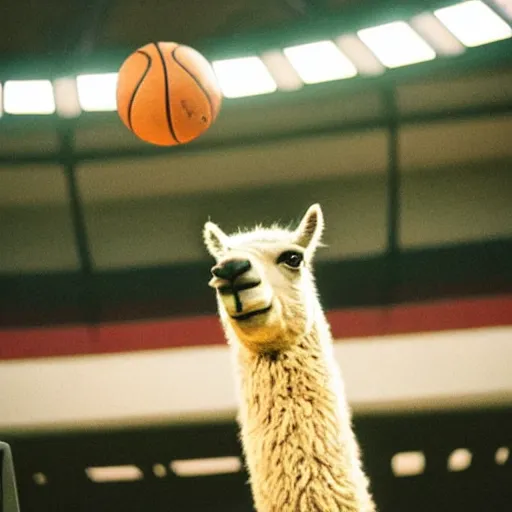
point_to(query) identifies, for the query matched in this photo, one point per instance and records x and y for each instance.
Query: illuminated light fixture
(408, 464)
(1, 102)
(245, 76)
(105, 474)
(40, 478)
(459, 460)
(501, 456)
(436, 34)
(285, 75)
(97, 93)
(159, 470)
(66, 97)
(364, 60)
(320, 62)
(473, 23)
(396, 44)
(209, 466)
(28, 97)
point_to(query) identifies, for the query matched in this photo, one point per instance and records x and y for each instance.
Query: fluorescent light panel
(246, 76)
(474, 23)
(40, 478)
(104, 474)
(209, 466)
(459, 460)
(159, 470)
(28, 97)
(501, 456)
(97, 92)
(396, 44)
(408, 464)
(320, 62)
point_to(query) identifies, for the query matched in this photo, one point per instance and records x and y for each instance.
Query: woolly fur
(296, 432)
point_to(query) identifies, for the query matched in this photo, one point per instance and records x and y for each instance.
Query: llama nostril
(217, 271)
(231, 269)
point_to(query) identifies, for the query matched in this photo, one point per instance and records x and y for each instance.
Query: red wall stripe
(205, 330)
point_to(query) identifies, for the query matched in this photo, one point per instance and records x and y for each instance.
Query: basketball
(167, 94)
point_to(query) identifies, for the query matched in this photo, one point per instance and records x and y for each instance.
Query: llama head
(263, 281)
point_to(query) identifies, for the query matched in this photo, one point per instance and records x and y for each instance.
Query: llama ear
(310, 229)
(215, 239)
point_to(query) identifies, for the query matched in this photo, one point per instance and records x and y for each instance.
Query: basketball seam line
(167, 95)
(196, 80)
(137, 87)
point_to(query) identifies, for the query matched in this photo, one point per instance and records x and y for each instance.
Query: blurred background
(116, 389)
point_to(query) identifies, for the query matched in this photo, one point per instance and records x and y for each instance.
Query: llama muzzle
(240, 289)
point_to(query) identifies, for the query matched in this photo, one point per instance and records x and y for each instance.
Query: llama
(300, 449)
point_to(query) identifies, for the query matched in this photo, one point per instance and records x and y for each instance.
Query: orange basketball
(167, 94)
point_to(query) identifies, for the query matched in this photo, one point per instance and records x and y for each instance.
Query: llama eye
(291, 259)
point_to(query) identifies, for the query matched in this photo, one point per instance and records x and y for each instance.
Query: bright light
(501, 456)
(1, 102)
(473, 23)
(246, 76)
(114, 473)
(202, 467)
(320, 62)
(459, 460)
(40, 478)
(408, 463)
(97, 93)
(28, 97)
(396, 44)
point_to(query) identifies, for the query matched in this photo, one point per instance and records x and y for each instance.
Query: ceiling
(265, 157)
(60, 27)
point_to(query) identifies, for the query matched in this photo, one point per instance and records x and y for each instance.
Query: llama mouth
(251, 314)
(235, 288)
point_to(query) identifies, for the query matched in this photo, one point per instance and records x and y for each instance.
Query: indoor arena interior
(377, 134)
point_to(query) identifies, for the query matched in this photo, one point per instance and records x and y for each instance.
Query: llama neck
(296, 430)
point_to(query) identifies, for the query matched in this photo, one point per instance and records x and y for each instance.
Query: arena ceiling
(32, 28)
(304, 140)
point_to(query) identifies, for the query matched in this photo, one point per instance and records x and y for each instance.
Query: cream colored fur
(296, 430)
